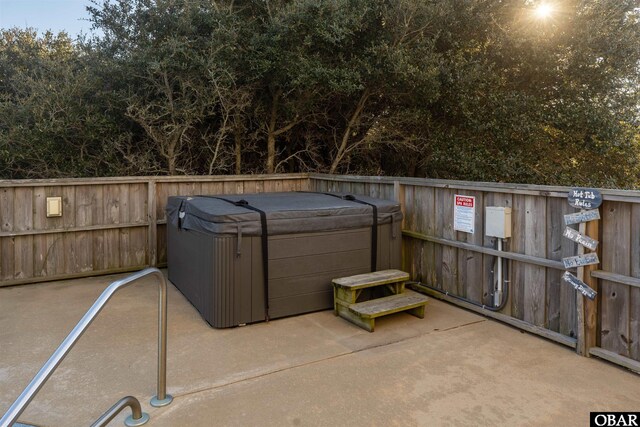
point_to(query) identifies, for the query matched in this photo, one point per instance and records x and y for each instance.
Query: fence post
(587, 316)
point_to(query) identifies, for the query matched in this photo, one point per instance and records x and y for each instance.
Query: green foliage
(478, 90)
(54, 120)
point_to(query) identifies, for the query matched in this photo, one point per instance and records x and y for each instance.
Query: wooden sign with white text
(584, 216)
(579, 285)
(578, 237)
(581, 260)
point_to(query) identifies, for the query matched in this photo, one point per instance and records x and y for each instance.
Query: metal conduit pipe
(503, 266)
(137, 417)
(161, 399)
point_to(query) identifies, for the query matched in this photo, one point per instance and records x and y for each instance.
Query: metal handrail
(137, 417)
(161, 399)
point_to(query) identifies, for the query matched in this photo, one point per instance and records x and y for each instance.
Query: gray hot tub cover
(293, 212)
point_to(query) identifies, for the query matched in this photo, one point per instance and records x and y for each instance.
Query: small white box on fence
(54, 206)
(498, 222)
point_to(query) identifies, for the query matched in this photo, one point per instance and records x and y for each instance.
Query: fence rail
(112, 225)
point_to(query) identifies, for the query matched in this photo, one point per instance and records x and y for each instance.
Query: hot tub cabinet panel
(225, 282)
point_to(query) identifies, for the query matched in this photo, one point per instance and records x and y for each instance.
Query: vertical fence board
(616, 259)
(534, 276)
(6, 243)
(22, 221)
(634, 300)
(39, 240)
(568, 314)
(112, 216)
(138, 212)
(554, 251)
(125, 233)
(69, 221)
(85, 199)
(409, 246)
(470, 262)
(444, 215)
(426, 223)
(98, 218)
(54, 256)
(250, 187)
(518, 217)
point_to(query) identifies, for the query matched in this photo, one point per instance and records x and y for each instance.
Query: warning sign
(464, 213)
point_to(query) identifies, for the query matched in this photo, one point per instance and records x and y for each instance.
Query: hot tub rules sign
(581, 198)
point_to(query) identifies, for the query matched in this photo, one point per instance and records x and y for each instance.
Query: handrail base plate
(158, 403)
(131, 422)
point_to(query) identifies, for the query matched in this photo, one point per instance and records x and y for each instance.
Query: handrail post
(161, 399)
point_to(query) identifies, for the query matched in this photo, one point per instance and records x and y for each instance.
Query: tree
(54, 120)
(176, 56)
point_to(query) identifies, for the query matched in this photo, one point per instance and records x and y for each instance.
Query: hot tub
(233, 274)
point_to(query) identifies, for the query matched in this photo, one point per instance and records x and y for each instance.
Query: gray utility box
(215, 253)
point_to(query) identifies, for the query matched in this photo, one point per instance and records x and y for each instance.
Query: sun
(543, 11)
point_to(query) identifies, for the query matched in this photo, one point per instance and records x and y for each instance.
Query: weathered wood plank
(68, 221)
(85, 199)
(518, 241)
(137, 214)
(97, 219)
(590, 307)
(66, 276)
(75, 229)
(410, 256)
(23, 220)
(470, 262)
(426, 223)
(444, 215)
(616, 259)
(211, 188)
(39, 223)
(249, 187)
(152, 231)
(555, 225)
(634, 292)
(616, 278)
(390, 304)
(55, 243)
(112, 216)
(542, 262)
(628, 363)
(629, 196)
(367, 280)
(534, 276)
(566, 300)
(124, 253)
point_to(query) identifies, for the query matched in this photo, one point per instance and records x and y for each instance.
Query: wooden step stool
(347, 290)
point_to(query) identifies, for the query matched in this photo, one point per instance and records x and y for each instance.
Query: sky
(55, 15)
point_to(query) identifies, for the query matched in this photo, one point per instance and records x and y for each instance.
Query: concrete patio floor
(451, 368)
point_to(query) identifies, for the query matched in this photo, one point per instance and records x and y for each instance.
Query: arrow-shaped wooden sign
(579, 285)
(584, 216)
(578, 237)
(580, 260)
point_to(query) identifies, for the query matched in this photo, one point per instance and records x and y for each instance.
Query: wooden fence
(458, 263)
(112, 225)
(108, 225)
